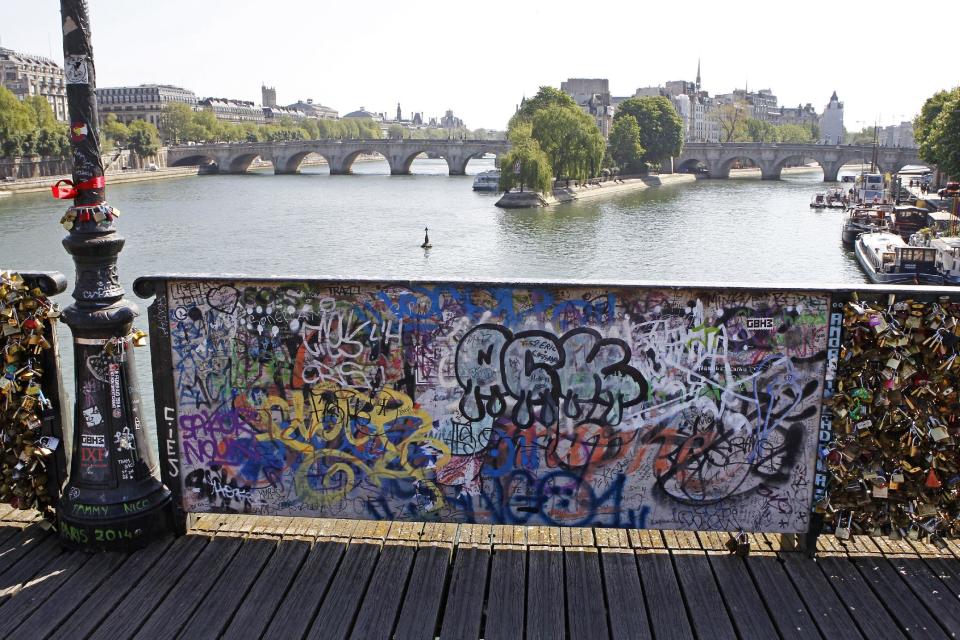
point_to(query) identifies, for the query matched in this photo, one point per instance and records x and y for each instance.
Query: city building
(143, 102)
(362, 113)
(274, 113)
(449, 121)
(27, 75)
(237, 111)
(831, 122)
(896, 135)
(314, 109)
(805, 116)
(268, 96)
(593, 96)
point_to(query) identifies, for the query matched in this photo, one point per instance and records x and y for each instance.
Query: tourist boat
(887, 259)
(870, 187)
(487, 181)
(863, 220)
(819, 201)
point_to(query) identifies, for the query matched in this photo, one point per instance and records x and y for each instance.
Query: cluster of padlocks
(894, 456)
(26, 315)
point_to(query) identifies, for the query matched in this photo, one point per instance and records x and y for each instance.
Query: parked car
(952, 190)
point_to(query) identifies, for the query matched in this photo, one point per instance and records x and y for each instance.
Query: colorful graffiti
(620, 407)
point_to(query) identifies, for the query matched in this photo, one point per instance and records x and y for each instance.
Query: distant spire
(834, 97)
(399, 113)
(698, 75)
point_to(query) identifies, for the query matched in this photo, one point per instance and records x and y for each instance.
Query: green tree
(571, 140)
(15, 124)
(143, 138)
(760, 130)
(732, 118)
(936, 131)
(176, 122)
(546, 97)
(940, 131)
(41, 113)
(661, 129)
(525, 165)
(624, 144)
(794, 133)
(114, 132)
(395, 132)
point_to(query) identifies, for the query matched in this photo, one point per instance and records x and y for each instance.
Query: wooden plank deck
(250, 577)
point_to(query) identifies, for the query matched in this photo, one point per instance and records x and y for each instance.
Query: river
(371, 224)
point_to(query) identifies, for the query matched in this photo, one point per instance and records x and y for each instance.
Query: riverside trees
(30, 127)
(661, 129)
(551, 136)
(937, 131)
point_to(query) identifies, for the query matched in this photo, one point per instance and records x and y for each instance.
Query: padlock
(843, 531)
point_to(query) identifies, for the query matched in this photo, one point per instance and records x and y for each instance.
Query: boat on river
(948, 257)
(864, 220)
(819, 201)
(887, 259)
(487, 181)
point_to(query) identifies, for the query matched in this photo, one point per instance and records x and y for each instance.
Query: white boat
(948, 257)
(818, 201)
(887, 259)
(487, 181)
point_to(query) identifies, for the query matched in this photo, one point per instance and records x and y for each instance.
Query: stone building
(268, 96)
(144, 102)
(831, 122)
(897, 135)
(314, 109)
(593, 96)
(27, 75)
(237, 111)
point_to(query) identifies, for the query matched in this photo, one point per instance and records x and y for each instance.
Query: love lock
(739, 544)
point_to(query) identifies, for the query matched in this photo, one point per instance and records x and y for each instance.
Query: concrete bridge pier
(831, 170)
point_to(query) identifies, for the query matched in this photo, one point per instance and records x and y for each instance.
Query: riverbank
(527, 199)
(43, 184)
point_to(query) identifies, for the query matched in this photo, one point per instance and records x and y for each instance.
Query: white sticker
(69, 26)
(758, 324)
(76, 70)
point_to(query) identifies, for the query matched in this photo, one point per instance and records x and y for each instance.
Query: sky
(480, 58)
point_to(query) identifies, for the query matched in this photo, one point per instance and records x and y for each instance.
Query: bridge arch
(240, 163)
(345, 165)
(193, 161)
(286, 164)
(767, 171)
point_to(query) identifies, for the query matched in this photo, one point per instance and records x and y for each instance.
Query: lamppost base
(86, 522)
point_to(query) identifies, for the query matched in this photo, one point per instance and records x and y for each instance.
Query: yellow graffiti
(331, 412)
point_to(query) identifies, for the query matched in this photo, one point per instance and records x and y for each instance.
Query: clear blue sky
(480, 58)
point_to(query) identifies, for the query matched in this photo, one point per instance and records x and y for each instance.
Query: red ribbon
(71, 191)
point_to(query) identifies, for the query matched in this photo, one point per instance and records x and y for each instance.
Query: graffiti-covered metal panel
(512, 404)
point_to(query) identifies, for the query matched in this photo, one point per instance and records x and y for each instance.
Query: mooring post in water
(113, 499)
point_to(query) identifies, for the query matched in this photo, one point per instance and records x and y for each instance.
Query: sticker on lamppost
(76, 70)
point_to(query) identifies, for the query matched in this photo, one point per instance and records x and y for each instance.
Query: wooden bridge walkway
(254, 577)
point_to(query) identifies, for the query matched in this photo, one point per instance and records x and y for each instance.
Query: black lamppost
(112, 500)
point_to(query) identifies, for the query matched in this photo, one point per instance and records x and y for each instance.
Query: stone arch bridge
(718, 158)
(339, 154)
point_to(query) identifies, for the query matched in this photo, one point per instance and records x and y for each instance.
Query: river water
(371, 225)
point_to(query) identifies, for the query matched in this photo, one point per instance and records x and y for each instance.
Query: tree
(525, 165)
(114, 131)
(546, 97)
(41, 113)
(937, 131)
(732, 119)
(793, 133)
(624, 144)
(760, 130)
(176, 121)
(395, 132)
(15, 124)
(144, 139)
(941, 132)
(571, 140)
(661, 129)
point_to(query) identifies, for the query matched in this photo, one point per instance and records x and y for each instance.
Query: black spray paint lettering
(582, 375)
